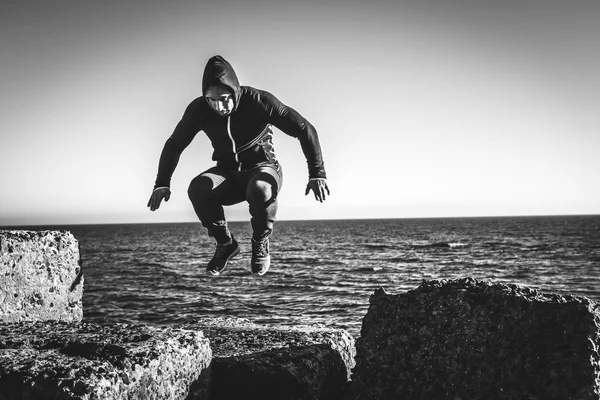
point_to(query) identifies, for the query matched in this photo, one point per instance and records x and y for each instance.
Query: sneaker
(261, 260)
(223, 254)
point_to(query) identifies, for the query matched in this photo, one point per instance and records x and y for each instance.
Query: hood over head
(219, 72)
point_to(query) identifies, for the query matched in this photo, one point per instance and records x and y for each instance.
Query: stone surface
(276, 362)
(40, 276)
(56, 360)
(467, 339)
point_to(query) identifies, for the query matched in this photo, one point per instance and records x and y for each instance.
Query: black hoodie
(242, 139)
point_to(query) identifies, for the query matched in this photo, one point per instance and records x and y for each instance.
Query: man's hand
(157, 196)
(318, 186)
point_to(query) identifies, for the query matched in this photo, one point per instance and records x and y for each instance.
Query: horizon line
(3, 227)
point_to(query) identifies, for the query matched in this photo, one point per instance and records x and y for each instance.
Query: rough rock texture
(56, 360)
(40, 276)
(276, 362)
(467, 339)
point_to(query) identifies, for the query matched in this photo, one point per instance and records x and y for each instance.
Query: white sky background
(423, 108)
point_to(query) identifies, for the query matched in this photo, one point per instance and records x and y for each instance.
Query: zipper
(235, 155)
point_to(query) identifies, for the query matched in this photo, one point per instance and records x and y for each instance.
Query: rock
(468, 339)
(40, 276)
(57, 360)
(276, 362)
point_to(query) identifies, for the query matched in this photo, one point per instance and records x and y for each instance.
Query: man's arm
(169, 157)
(181, 138)
(292, 123)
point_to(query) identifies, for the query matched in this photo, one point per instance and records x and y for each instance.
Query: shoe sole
(217, 273)
(261, 272)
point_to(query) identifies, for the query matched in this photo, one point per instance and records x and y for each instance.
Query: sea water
(325, 271)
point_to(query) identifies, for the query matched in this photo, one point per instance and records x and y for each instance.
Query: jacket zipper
(235, 155)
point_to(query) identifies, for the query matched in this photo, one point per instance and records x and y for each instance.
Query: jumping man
(237, 120)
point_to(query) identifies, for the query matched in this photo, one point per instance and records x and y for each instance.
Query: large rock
(40, 276)
(56, 360)
(276, 362)
(467, 339)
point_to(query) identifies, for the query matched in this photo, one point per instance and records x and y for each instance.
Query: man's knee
(200, 187)
(259, 191)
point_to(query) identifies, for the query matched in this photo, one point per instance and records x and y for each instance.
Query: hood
(219, 72)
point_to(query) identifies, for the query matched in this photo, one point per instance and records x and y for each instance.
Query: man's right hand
(157, 196)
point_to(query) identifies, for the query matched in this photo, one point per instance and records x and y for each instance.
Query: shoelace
(261, 248)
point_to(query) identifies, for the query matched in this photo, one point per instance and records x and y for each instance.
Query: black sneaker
(223, 254)
(261, 260)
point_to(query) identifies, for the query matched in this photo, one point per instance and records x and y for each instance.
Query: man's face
(220, 99)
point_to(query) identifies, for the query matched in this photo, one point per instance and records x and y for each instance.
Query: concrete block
(468, 339)
(276, 362)
(57, 360)
(40, 276)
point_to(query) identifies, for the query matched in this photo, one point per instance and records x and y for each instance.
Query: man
(237, 120)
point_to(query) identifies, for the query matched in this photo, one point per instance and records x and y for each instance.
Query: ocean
(325, 271)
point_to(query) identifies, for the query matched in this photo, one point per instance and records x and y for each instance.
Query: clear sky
(424, 108)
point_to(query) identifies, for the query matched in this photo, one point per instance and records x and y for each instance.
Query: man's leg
(261, 193)
(208, 193)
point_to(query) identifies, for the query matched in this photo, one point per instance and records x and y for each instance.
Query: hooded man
(237, 120)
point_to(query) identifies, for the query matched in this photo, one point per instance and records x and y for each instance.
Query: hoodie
(243, 139)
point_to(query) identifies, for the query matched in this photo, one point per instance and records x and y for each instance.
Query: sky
(424, 108)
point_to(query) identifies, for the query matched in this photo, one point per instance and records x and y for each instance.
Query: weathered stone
(467, 339)
(40, 276)
(56, 360)
(276, 362)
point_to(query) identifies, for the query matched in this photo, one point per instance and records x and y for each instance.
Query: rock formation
(40, 276)
(58, 360)
(306, 362)
(467, 339)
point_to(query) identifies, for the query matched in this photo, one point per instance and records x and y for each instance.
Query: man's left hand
(319, 187)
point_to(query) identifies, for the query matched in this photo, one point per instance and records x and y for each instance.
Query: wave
(446, 245)
(537, 247)
(89, 253)
(149, 264)
(368, 269)
(309, 261)
(405, 259)
(378, 246)
(223, 295)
